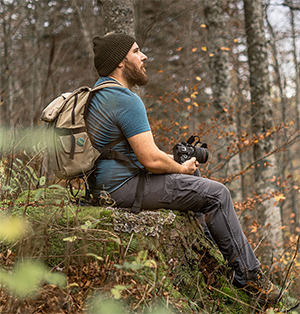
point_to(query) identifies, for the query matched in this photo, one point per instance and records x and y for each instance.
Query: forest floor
(117, 263)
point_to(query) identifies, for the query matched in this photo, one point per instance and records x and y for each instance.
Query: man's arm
(155, 160)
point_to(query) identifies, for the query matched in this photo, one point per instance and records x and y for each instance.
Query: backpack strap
(103, 150)
(136, 207)
(97, 88)
(113, 154)
(106, 84)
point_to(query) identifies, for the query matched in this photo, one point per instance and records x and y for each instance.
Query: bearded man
(117, 113)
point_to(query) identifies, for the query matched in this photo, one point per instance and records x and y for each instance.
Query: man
(116, 112)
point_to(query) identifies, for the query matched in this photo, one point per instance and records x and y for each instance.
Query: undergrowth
(104, 269)
(58, 256)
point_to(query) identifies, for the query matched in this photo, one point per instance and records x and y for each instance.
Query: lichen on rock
(150, 223)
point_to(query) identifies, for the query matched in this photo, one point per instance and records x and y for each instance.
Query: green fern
(133, 246)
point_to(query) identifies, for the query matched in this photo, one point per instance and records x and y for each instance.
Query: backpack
(70, 150)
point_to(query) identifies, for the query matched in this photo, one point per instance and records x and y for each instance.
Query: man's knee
(218, 190)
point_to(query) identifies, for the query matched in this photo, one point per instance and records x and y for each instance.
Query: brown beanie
(110, 50)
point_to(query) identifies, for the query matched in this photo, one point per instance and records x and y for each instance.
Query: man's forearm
(164, 163)
(154, 159)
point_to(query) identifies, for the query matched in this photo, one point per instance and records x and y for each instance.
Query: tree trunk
(297, 81)
(296, 64)
(221, 87)
(268, 213)
(7, 92)
(84, 29)
(119, 16)
(285, 156)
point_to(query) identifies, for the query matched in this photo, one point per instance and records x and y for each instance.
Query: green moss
(48, 196)
(54, 220)
(232, 300)
(188, 263)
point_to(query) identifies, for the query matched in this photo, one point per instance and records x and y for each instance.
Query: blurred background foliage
(204, 79)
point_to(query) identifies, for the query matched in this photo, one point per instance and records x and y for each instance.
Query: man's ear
(121, 65)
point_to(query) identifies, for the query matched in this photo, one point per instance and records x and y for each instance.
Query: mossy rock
(191, 267)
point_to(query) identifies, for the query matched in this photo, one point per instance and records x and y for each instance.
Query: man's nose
(143, 57)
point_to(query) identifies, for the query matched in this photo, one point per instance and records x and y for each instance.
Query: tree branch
(291, 6)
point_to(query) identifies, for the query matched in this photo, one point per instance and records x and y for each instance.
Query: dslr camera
(186, 150)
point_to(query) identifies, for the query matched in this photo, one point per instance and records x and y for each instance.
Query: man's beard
(134, 75)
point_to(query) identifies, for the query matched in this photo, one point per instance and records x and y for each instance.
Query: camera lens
(201, 154)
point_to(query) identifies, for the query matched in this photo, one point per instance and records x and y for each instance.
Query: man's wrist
(184, 169)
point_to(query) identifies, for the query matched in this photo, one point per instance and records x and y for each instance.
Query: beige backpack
(69, 147)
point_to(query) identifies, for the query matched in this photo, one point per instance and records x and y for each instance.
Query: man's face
(134, 69)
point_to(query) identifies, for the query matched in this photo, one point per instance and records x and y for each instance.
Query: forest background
(227, 71)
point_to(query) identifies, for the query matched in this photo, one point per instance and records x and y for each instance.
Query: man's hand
(190, 165)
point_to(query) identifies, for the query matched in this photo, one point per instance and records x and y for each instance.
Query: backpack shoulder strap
(107, 147)
(107, 84)
(99, 87)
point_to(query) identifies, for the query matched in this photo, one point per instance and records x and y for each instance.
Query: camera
(186, 150)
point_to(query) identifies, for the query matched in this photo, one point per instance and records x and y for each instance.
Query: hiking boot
(262, 288)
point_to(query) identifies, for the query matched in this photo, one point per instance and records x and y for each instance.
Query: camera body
(186, 150)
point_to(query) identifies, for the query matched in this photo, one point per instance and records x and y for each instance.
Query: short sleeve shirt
(113, 112)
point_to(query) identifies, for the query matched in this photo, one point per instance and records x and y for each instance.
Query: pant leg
(201, 195)
(201, 217)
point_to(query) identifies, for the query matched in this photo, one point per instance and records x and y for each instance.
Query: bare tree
(268, 213)
(220, 65)
(289, 205)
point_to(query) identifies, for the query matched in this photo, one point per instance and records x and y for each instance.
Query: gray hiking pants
(192, 193)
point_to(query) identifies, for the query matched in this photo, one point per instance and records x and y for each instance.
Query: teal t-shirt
(114, 111)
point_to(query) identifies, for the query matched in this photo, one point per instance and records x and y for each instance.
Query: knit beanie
(110, 50)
